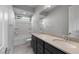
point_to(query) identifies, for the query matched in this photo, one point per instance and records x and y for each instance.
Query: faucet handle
(65, 37)
(69, 33)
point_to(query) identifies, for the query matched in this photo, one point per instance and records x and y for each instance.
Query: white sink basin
(65, 43)
(70, 45)
(58, 39)
(62, 42)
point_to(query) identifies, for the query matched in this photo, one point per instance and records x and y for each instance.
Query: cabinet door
(47, 52)
(39, 48)
(33, 43)
(39, 52)
(53, 50)
(39, 41)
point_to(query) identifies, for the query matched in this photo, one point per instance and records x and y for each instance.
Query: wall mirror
(55, 20)
(74, 20)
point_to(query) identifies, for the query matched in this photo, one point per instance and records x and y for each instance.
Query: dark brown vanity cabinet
(41, 47)
(34, 44)
(37, 45)
(52, 50)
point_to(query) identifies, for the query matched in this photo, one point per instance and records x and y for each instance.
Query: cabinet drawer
(47, 52)
(53, 49)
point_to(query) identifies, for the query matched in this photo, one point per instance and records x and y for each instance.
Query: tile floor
(23, 48)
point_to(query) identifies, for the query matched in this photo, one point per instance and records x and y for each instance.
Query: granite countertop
(67, 46)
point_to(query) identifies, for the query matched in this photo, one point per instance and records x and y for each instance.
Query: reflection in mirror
(74, 20)
(55, 20)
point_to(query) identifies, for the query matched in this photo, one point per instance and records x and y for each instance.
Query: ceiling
(47, 9)
(24, 10)
(30, 8)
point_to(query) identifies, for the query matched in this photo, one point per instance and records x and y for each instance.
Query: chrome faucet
(66, 37)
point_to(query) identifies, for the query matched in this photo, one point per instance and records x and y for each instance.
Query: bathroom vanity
(41, 47)
(47, 44)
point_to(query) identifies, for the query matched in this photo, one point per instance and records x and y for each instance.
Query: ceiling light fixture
(24, 13)
(47, 6)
